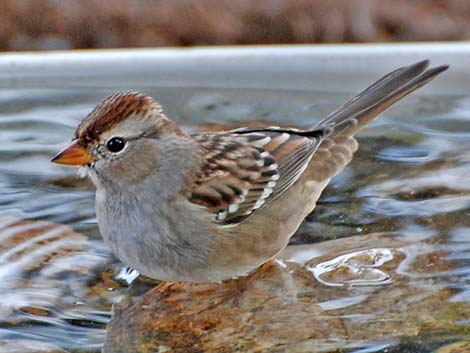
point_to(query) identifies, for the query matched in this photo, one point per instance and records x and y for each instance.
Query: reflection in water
(40, 265)
(408, 182)
(360, 268)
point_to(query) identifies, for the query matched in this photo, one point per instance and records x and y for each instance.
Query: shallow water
(408, 181)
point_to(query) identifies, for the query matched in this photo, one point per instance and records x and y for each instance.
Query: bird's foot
(162, 287)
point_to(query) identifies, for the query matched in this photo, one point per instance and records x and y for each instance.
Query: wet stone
(286, 309)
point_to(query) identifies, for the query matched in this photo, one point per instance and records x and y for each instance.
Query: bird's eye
(116, 144)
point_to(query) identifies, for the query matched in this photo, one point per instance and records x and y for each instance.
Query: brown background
(57, 24)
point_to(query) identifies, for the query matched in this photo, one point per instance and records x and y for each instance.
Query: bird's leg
(245, 282)
(237, 287)
(162, 287)
(230, 290)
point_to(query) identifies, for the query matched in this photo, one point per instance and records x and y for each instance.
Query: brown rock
(286, 309)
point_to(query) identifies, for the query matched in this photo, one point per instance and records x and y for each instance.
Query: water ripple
(409, 180)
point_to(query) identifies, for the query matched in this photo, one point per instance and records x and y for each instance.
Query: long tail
(360, 110)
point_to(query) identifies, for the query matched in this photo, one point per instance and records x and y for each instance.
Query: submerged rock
(364, 294)
(51, 282)
(457, 347)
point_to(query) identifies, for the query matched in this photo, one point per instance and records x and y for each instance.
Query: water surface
(409, 182)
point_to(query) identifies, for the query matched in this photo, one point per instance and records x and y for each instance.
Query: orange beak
(73, 154)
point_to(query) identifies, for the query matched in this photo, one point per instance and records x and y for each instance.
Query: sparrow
(214, 206)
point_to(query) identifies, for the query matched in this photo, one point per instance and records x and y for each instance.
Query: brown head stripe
(110, 112)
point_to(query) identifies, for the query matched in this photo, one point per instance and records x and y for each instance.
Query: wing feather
(246, 168)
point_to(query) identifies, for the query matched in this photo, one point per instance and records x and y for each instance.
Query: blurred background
(56, 24)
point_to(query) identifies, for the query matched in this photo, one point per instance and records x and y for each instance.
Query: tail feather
(360, 110)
